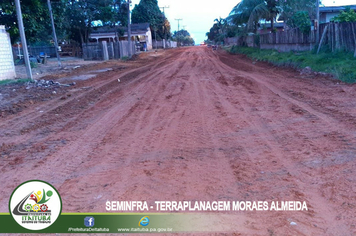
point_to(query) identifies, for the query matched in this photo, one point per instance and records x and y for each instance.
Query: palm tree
(250, 12)
(220, 23)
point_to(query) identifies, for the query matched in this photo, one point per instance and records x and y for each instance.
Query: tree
(183, 37)
(291, 7)
(348, 15)
(82, 15)
(35, 17)
(147, 11)
(248, 13)
(221, 30)
(300, 20)
(73, 18)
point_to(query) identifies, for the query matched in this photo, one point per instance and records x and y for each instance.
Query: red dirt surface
(194, 124)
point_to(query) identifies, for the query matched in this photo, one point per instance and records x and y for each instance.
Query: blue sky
(199, 15)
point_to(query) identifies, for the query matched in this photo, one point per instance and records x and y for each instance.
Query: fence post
(116, 50)
(353, 32)
(322, 38)
(337, 37)
(121, 49)
(105, 51)
(112, 50)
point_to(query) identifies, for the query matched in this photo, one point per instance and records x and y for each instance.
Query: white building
(140, 33)
(7, 68)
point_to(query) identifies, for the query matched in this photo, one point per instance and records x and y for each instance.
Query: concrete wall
(157, 44)
(106, 51)
(164, 44)
(149, 40)
(7, 68)
(124, 48)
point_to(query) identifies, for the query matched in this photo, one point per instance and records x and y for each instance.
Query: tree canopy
(73, 18)
(183, 38)
(248, 13)
(147, 11)
(348, 15)
(35, 18)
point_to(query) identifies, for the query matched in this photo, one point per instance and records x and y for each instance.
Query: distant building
(140, 33)
(327, 13)
(265, 28)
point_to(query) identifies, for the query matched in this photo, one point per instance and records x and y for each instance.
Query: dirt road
(195, 124)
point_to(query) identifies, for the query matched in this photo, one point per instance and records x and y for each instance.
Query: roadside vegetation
(12, 81)
(76, 19)
(251, 17)
(342, 65)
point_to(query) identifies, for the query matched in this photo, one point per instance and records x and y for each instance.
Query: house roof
(335, 8)
(268, 25)
(111, 32)
(142, 27)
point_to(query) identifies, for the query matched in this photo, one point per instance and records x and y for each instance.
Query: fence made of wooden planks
(292, 36)
(339, 36)
(92, 51)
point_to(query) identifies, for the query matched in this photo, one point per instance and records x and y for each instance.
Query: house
(327, 13)
(140, 33)
(265, 28)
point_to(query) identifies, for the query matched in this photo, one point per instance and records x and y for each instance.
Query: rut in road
(198, 126)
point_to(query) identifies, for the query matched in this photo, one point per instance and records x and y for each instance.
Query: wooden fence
(92, 51)
(339, 36)
(292, 36)
(73, 50)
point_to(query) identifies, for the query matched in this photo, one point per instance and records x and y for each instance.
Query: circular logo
(35, 205)
(144, 221)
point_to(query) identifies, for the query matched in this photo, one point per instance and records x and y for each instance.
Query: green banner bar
(119, 223)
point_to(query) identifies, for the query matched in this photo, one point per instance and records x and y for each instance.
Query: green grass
(342, 65)
(14, 81)
(33, 64)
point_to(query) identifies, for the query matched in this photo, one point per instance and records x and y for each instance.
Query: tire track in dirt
(192, 128)
(326, 215)
(54, 111)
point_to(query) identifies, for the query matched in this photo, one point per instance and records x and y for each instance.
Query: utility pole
(155, 30)
(317, 23)
(165, 37)
(164, 8)
(178, 31)
(23, 39)
(129, 27)
(54, 33)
